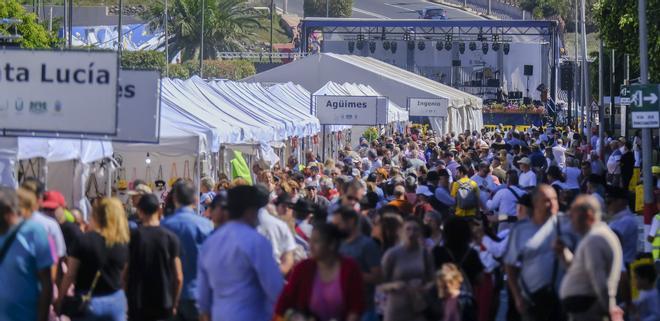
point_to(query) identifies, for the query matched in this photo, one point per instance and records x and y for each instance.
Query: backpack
(466, 198)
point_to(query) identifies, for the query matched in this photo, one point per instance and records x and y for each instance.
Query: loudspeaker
(493, 83)
(566, 75)
(529, 70)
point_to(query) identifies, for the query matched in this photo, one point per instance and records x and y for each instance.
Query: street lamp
(201, 45)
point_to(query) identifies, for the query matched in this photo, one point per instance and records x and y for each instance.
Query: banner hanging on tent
(351, 110)
(429, 107)
(138, 111)
(58, 91)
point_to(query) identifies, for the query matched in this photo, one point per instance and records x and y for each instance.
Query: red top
(298, 291)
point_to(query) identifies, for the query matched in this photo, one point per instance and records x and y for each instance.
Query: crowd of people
(474, 226)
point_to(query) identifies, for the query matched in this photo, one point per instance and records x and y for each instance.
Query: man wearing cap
(527, 176)
(623, 221)
(238, 277)
(485, 181)
(505, 199)
(312, 195)
(135, 194)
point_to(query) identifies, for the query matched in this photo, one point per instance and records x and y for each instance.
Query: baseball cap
(525, 200)
(525, 160)
(53, 200)
(423, 190)
(140, 189)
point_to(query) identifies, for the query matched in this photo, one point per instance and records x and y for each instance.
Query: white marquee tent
(313, 72)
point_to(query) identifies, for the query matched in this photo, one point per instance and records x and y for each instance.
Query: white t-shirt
(54, 231)
(277, 232)
(560, 155)
(527, 179)
(572, 177)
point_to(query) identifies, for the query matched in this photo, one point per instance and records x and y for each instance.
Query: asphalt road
(385, 9)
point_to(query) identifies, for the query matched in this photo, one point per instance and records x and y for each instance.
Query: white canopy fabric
(394, 112)
(314, 71)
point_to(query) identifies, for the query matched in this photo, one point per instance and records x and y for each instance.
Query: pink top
(327, 302)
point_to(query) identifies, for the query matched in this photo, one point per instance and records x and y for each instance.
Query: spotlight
(448, 45)
(505, 48)
(372, 46)
(393, 46)
(496, 46)
(351, 46)
(439, 45)
(411, 45)
(421, 45)
(386, 45)
(484, 47)
(472, 46)
(359, 45)
(461, 47)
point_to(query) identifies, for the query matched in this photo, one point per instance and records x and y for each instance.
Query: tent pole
(323, 135)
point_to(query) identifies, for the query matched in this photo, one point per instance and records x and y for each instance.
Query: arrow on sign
(651, 99)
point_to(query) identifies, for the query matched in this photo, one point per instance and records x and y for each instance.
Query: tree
(619, 26)
(146, 59)
(336, 8)
(227, 24)
(34, 35)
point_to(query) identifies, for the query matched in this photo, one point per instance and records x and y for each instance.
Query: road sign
(625, 95)
(645, 106)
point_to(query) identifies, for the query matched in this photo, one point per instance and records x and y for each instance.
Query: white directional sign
(351, 110)
(430, 107)
(645, 106)
(58, 91)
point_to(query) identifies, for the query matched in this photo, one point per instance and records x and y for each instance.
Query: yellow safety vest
(656, 241)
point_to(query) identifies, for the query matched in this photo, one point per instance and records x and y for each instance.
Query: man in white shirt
(505, 200)
(559, 151)
(588, 291)
(527, 176)
(572, 175)
(485, 181)
(281, 238)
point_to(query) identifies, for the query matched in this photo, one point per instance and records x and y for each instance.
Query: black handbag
(77, 305)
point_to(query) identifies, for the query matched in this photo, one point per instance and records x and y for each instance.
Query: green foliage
(178, 71)
(546, 8)
(224, 69)
(619, 26)
(34, 35)
(336, 8)
(147, 59)
(227, 24)
(370, 134)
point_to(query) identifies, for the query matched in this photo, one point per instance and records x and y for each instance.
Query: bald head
(585, 212)
(546, 204)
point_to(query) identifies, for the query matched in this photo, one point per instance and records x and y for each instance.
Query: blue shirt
(624, 224)
(192, 230)
(238, 276)
(28, 254)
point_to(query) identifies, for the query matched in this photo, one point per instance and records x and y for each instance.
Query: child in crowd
(446, 300)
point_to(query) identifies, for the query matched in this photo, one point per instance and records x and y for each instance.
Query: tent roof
(314, 71)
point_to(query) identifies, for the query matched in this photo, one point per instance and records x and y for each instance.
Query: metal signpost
(645, 105)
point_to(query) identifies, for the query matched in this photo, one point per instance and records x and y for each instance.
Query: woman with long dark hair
(326, 286)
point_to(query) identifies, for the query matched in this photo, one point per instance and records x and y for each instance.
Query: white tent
(62, 163)
(313, 72)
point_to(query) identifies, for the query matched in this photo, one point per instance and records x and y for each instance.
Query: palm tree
(227, 24)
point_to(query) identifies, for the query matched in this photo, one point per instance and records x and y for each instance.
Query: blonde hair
(111, 221)
(450, 271)
(27, 200)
